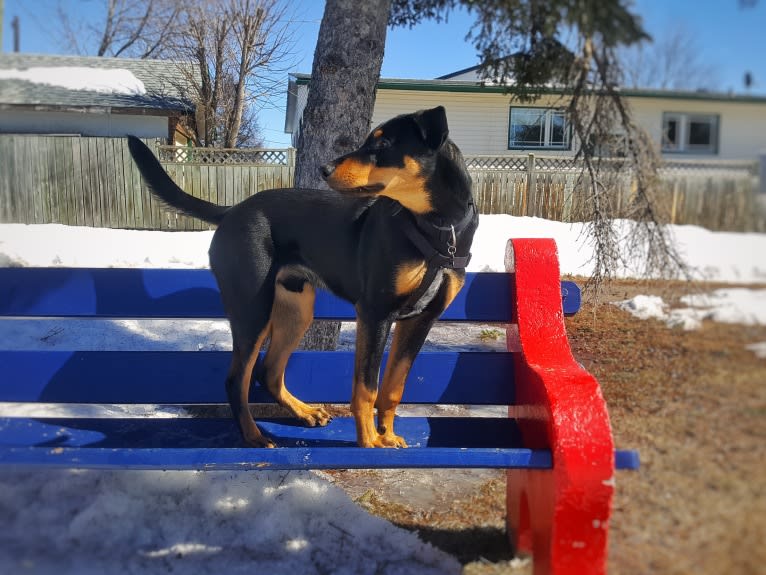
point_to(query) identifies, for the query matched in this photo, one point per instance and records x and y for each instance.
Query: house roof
(444, 84)
(86, 83)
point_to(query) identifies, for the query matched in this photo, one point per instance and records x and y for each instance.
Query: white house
(485, 120)
(88, 96)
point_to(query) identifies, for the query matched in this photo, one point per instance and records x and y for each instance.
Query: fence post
(762, 174)
(531, 187)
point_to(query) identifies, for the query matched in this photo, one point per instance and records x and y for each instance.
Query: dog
(392, 236)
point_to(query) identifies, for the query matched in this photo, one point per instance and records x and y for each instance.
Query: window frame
(547, 129)
(683, 131)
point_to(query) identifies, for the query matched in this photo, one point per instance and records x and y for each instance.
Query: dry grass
(693, 404)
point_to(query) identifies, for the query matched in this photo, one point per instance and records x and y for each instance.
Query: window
(691, 133)
(539, 128)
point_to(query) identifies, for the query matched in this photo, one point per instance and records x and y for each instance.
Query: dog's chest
(409, 281)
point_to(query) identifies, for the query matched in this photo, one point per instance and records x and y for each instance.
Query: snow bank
(714, 256)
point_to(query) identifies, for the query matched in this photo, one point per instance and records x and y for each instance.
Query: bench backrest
(183, 377)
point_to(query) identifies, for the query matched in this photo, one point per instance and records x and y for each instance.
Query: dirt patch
(693, 404)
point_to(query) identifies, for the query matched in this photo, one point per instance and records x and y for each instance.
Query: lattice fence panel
(224, 156)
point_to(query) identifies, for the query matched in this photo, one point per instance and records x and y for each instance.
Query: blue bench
(517, 443)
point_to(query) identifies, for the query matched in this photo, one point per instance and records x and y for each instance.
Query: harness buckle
(452, 245)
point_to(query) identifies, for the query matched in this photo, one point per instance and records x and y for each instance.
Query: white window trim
(546, 145)
(683, 119)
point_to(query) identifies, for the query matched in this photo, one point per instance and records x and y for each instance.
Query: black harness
(437, 241)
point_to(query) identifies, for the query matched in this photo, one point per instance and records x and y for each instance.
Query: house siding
(478, 125)
(107, 125)
(479, 120)
(741, 125)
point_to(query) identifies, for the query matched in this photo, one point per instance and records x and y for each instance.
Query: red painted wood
(561, 517)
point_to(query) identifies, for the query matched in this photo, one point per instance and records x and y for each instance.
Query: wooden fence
(720, 195)
(93, 182)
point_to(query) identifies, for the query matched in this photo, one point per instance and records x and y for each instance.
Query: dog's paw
(391, 440)
(386, 441)
(259, 440)
(314, 416)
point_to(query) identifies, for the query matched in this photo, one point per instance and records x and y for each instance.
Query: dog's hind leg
(243, 358)
(291, 315)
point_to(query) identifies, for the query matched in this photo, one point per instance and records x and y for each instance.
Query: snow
(759, 349)
(138, 522)
(726, 305)
(104, 81)
(713, 256)
(88, 522)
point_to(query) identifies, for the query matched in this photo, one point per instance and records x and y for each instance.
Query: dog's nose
(327, 170)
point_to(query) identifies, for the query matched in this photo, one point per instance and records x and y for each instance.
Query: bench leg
(563, 527)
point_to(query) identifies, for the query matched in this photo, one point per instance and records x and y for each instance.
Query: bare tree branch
(671, 61)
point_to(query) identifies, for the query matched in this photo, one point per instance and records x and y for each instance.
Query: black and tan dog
(395, 242)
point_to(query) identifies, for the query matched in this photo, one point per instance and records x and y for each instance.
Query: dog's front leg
(371, 334)
(409, 336)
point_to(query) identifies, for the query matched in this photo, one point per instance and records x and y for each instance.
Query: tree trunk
(341, 96)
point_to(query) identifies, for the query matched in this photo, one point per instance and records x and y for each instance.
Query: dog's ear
(433, 126)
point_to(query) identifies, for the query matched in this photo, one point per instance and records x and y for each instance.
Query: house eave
(480, 88)
(131, 111)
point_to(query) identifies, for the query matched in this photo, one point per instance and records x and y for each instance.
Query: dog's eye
(381, 144)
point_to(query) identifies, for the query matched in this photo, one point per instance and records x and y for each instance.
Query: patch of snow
(101, 80)
(759, 349)
(726, 305)
(136, 522)
(732, 305)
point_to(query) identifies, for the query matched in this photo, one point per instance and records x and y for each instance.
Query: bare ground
(693, 404)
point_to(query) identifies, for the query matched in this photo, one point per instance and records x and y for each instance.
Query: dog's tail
(160, 184)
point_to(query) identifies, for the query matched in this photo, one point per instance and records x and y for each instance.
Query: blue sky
(731, 39)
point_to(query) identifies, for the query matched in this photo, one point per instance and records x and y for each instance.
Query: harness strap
(418, 232)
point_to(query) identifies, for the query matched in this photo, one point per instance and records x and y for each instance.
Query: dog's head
(395, 160)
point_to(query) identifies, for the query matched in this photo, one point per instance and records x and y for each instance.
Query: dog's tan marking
(362, 406)
(405, 185)
(391, 391)
(377, 133)
(408, 277)
(242, 370)
(349, 174)
(292, 314)
(454, 285)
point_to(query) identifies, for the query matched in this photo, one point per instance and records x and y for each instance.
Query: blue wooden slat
(215, 444)
(275, 459)
(197, 377)
(169, 293)
(117, 433)
(242, 459)
(626, 459)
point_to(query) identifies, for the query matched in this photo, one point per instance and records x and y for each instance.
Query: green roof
(448, 85)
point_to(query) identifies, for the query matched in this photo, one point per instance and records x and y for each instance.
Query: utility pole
(15, 26)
